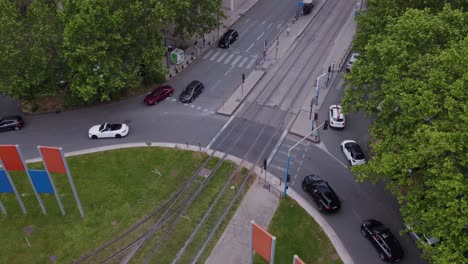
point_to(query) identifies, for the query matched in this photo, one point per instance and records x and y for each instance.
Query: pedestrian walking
(287, 31)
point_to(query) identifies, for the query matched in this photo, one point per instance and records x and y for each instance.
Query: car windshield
(115, 126)
(101, 127)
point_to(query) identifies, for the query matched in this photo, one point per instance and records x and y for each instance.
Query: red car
(158, 94)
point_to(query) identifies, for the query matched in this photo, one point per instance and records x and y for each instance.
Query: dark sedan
(383, 240)
(192, 91)
(158, 94)
(228, 38)
(11, 123)
(326, 199)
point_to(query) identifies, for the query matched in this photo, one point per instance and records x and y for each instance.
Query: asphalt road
(260, 123)
(169, 121)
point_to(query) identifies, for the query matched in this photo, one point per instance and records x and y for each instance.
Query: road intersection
(271, 107)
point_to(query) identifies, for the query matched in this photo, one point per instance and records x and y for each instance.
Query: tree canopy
(98, 48)
(412, 76)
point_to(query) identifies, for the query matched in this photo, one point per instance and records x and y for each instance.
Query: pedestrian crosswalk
(230, 58)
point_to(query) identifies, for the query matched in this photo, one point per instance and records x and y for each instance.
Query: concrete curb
(270, 179)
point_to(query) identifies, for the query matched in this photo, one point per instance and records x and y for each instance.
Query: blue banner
(5, 186)
(41, 181)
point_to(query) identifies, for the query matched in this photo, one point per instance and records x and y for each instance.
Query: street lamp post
(289, 159)
(167, 49)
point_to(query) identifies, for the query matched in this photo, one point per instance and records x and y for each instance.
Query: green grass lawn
(298, 234)
(116, 188)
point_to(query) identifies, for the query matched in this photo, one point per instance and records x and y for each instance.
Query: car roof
(13, 117)
(336, 111)
(313, 178)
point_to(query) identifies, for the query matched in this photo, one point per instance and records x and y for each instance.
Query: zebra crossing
(229, 58)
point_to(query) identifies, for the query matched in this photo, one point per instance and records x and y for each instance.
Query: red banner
(11, 158)
(262, 242)
(53, 159)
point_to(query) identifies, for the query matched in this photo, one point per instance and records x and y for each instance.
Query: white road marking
(216, 84)
(228, 71)
(263, 22)
(324, 148)
(250, 63)
(279, 25)
(235, 61)
(242, 62)
(226, 61)
(199, 108)
(251, 45)
(246, 20)
(173, 99)
(208, 54)
(193, 106)
(222, 57)
(269, 25)
(220, 132)
(214, 56)
(260, 35)
(278, 144)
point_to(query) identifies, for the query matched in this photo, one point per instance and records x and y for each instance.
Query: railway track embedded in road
(141, 235)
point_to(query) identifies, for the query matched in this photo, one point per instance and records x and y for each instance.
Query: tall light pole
(167, 49)
(289, 159)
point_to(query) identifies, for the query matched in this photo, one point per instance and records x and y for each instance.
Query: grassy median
(298, 234)
(117, 188)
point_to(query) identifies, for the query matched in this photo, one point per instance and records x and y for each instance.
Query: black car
(383, 240)
(11, 123)
(322, 193)
(192, 91)
(228, 38)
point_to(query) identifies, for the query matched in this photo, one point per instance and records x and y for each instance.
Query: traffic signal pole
(289, 159)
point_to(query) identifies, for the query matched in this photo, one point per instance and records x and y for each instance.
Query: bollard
(187, 144)
(199, 145)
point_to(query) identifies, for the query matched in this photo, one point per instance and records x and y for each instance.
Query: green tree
(107, 42)
(30, 43)
(414, 71)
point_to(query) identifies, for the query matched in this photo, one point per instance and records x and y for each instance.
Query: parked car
(107, 130)
(228, 38)
(352, 59)
(336, 116)
(192, 91)
(420, 237)
(11, 123)
(307, 7)
(383, 240)
(353, 152)
(158, 94)
(326, 199)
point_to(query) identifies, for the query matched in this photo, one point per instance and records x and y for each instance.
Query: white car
(107, 130)
(336, 116)
(353, 152)
(352, 60)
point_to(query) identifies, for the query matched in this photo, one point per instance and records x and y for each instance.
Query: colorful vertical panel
(11, 158)
(261, 242)
(5, 186)
(41, 181)
(53, 159)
